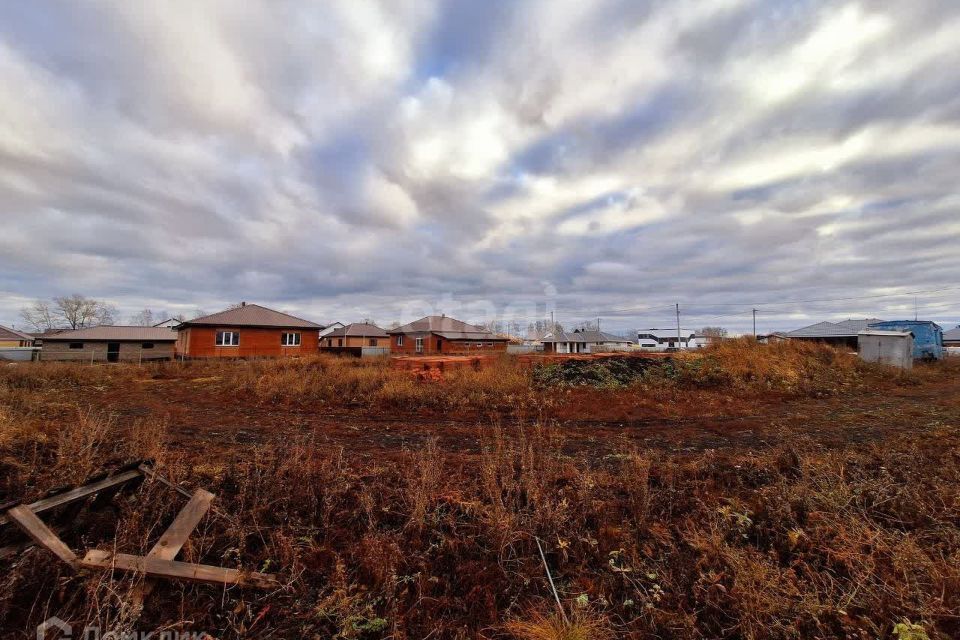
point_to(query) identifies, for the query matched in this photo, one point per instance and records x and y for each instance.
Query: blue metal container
(927, 336)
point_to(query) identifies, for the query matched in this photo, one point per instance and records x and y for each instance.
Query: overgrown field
(855, 535)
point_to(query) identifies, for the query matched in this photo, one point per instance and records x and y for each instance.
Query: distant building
(333, 326)
(13, 338)
(440, 334)
(169, 323)
(669, 340)
(110, 344)
(355, 337)
(838, 334)
(583, 341)
(247, 331)
(951, 338)
(927, 336)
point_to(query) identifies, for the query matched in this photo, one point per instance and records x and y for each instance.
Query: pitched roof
(952, 334)
(118, 333)
(358, 330)
(6, 333)
(252, 315)
(449, 328)
(845, 329)
(584, 336)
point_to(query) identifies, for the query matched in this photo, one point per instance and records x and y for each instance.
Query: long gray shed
(894, 348)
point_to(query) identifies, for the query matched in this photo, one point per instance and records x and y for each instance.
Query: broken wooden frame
(160, 560)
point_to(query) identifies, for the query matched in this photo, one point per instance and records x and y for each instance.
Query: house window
(76, 345)
(399, 341)
(339, 342)
(373, 342)
(146, 345)
(290, 339)
(228, 339)
(419, 345)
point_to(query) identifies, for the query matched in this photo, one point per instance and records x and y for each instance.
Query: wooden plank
(173, 539)
(78, 494)
(159, 568)
(40, 533)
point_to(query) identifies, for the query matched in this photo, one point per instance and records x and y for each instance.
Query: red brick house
(247, 331)
(440, 334)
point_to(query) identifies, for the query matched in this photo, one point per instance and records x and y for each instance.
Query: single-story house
(951, 337)
(927, 336)
(583, 341)
(247, 331)
(669, 340)
(838, 334)
(110, 344)
(354, 337)
(440, 334)
(13, 338)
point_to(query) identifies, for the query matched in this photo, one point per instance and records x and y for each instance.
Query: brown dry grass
(789, 541)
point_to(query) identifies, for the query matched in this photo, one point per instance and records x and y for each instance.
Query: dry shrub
(793, 367)
(581, 625)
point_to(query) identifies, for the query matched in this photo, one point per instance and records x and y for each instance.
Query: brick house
(13, 338)
(440, 334)
(110, 344)
(352, 338)
(247, 331)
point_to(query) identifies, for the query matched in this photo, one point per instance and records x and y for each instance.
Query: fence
(19, 354)
(374, 352)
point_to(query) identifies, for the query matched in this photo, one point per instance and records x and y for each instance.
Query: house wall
(200, 342)
(16, 343)
(97, 351)
(433, 344)
(927, 338)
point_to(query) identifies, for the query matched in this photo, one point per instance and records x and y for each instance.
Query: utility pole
(678, 325)
(754, 323)
(914, 307)
(598, 323)
(552, 323)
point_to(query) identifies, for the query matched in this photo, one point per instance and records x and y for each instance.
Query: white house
(667, 339)
(330, 328)
(583, 341)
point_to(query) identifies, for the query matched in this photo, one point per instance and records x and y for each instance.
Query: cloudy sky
(342, 160)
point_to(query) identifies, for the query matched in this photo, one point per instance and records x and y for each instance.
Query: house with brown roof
(440, 334)
(110, 344)
(13, 338)
(354, 337)
(247, 331)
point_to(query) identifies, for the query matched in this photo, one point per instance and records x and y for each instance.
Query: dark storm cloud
(355, 159)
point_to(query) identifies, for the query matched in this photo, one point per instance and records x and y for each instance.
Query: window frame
(75, 345)
(418, 345)
(146, 345)
(290, 339)
(219, 339)
(400, 340)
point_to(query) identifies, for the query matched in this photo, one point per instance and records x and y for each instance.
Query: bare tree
(39, 315)
(78, 311)
(144, 318)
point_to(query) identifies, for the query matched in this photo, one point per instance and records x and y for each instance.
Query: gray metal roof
(6, 333)
(115, 333)
(584, 336)
(358, 330)
(253, 315)
(445, 327)
(844, 329)
(952, 335)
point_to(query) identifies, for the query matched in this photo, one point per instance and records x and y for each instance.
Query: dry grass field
(750, 491)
